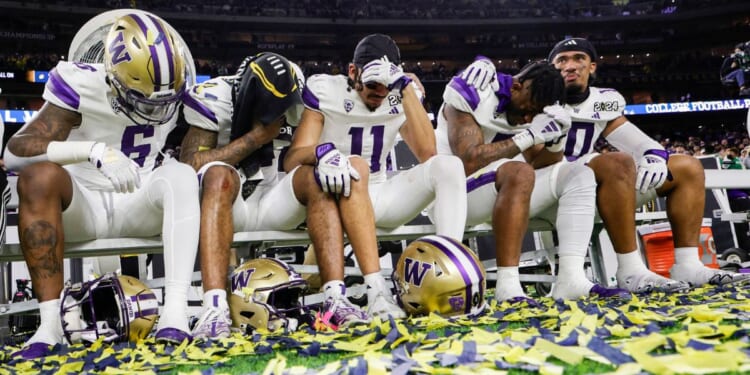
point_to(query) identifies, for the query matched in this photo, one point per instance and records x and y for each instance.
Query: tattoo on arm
(467, 142)
(199, 148)
(51, 124)
(39, 242)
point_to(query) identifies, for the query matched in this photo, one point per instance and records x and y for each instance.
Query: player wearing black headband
(640, 173)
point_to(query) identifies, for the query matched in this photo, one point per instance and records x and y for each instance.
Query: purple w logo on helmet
(414, 271)
(240, 279)
(117, 50)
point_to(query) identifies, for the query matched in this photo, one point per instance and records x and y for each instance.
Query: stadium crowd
(421, 9)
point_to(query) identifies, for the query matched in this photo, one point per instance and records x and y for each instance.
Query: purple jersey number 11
(377, 133)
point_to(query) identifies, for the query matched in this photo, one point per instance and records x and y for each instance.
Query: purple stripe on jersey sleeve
(473, 183)
(457, 263)
(310, 99)
(62, 90)
(469, 93)
(504, 81)
(197, 106)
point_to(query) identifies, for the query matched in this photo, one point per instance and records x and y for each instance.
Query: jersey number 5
(128, 144)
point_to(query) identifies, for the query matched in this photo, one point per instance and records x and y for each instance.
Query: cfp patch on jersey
(394, 100)
(606, 106)
(348, 105)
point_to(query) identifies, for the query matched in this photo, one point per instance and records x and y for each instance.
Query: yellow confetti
(563, 353)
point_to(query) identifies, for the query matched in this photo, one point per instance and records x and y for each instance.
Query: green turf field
(703, 331)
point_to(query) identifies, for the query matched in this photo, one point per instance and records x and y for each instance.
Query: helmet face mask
(117, 308)
(265, 295)
(438, 274)
(145, 68)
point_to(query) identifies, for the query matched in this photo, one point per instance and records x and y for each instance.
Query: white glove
(118, 168)
(652, 170)
(480, 74)
(333, 172)
(544, 128)
(562, 117)
(386, 73)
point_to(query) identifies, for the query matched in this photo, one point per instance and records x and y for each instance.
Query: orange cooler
(658, 248)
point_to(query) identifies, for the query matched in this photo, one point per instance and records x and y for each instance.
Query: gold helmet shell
(439, 274)
(145, 67)
(116, 308)
(265, 295)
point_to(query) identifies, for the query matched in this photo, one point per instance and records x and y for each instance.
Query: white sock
(571, 269)
(215, 298)
(630, 263)
(375, 283)
(174, 313)
(50, 329)
(687, 256)
(334, 289)
(508, 284)
(571, 279)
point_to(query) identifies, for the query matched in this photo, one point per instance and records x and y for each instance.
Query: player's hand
(118, 168)
(333, 172)
(386, 73)
(544, 128)
(481, 74)
(562, 117)
(652, 170)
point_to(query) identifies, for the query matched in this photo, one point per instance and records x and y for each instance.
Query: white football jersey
(589, 118)
(209, 106)
(83, 88)
(483, 107)
(350, 125)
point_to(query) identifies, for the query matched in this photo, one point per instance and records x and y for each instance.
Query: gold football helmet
(118, 308)
(145, 68)
(265, 295)
(439, 274)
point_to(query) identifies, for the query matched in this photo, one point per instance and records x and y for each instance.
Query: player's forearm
(481, 155)
(232, 153)
(420, 128)
(296, 156)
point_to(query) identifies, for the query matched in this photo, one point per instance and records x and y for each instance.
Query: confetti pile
(703, 331)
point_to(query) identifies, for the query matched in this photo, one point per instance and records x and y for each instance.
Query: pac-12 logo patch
(348, 105)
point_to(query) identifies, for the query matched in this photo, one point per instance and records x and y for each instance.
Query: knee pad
(575, 177)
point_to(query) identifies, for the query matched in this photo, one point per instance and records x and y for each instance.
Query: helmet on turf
(265, 295)
(439, 274)
(117, 308)
(145, 68)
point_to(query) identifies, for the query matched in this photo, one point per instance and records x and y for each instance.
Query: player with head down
(86, 163)
(644, 165)
(350, 124)
(509, 131)
(236, 121)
